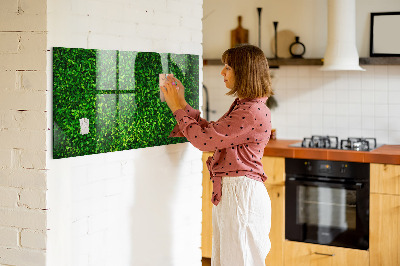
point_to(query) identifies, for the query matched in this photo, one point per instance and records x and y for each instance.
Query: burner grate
(332, 142)
(358, 144)
(327, 142)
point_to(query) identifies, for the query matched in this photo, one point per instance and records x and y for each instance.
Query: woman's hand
(173, 94)
(181, 90)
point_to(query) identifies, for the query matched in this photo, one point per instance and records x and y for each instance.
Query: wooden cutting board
(239, 35)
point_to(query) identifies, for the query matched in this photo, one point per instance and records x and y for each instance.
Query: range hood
(341, 51)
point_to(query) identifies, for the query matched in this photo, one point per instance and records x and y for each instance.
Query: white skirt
(241, 223)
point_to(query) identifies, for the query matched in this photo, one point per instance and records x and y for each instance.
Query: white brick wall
(22, 256)
(100, 206)
(137, 207)
(8, 197)
(9, 237)
(23, 132)
(33, 239)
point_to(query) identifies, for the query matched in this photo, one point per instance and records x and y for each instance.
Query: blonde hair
(250, 66)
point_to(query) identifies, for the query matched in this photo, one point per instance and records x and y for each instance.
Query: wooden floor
(206, 261)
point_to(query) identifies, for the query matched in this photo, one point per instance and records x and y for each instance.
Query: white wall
(311, 102)
(344, 103)
(23, 132)
(305, 18)
(136, 207)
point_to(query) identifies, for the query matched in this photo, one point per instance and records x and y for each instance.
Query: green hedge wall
(118, 91)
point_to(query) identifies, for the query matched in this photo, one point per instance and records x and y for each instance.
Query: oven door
(327, 213)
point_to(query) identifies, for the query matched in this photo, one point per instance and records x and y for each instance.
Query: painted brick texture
(23, 218)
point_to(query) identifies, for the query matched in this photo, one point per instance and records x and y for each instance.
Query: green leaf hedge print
(115, 96)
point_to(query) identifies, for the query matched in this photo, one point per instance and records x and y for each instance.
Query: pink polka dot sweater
(238, 139)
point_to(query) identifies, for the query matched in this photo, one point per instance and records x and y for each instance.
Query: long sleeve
(193, 113)
(231, 130)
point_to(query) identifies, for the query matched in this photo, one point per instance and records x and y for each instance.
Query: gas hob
(332, 142)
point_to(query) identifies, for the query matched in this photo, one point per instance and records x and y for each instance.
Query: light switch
(84, 125)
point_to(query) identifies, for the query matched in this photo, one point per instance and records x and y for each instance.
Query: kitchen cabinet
(385, 178)
(274, 168)
(206, 225)
(384, 221)
(277, 233)
(305, 254)
(385, 214)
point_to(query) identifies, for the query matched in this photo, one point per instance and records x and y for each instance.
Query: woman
(242, 208)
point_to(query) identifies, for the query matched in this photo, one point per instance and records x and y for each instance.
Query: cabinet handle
(324, 254)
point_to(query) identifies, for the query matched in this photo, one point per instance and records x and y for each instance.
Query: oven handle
(357, 185)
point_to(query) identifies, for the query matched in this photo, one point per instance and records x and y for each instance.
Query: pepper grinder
(276, 38)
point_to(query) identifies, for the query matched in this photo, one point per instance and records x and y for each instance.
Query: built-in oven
(327, 202)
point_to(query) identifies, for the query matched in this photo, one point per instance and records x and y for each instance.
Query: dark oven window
(325, 207)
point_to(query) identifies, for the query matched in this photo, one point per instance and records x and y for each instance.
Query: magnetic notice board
(108, 100)
(385, 36)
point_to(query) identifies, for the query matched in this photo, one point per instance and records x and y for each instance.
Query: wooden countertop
(389, 154)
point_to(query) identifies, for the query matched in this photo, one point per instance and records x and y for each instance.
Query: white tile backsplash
(367, 97)
(329, 109)
(394, 97)
(381, 96)
(367, 110)
(381, 110)
(381, 83)
(342, 109)
(343, 103)
(394, 110)
(393, 71)
(382, 136)
(394, 82)
(380, 71)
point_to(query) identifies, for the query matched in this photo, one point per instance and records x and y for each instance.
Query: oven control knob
(308, 166)
(343, 168)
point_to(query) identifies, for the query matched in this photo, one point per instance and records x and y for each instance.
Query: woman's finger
(170, 87)
(164, 90)
(177, 81)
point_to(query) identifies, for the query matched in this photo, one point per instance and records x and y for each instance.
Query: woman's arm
(175, 99)
(233, 130)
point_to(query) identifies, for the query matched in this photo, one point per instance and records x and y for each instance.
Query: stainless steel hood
(341, 51)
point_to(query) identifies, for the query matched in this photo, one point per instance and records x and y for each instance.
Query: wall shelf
(380, 61)
(274, 63)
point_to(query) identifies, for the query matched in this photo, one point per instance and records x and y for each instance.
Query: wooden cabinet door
(385, 178)
(304, 254)
(274, 168)
(277, 233)
(206, 226)
(384, 236)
